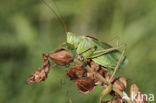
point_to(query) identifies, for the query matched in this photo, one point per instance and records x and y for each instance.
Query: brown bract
(75, 72)
(123, 80)
(120, 83)
(85, 85)
(61, 57)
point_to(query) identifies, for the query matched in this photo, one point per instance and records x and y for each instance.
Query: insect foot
(61, 57)
(75, 72)
(85, 85)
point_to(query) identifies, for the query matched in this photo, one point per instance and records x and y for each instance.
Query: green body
(87, 47)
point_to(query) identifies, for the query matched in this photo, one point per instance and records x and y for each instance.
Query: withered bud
(37, 76)
(108, 77)
(113, 101)
(41, 74)
(85, 85)
(75, 72)
(123, 80)
(61, 57)
(119, 85)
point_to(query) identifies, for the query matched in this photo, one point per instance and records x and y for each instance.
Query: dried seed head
(41, 74)
(37, 76)
(108, 76)
(123, 80)
(119, 85)
(61, 57)
(85, 85)
(75, 72)
(113, 101)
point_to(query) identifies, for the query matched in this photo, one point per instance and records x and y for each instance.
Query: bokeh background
(28, 28)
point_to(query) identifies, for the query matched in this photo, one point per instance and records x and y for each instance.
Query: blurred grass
(28, 29)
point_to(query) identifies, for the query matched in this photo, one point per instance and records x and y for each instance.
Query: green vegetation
(28, 29)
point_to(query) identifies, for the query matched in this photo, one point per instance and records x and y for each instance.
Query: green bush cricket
(86, 47)
(90, 48)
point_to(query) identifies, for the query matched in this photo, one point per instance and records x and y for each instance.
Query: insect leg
(116, 38)
(101, 52)
(118, 64)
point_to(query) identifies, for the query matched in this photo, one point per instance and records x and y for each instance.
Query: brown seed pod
(119, 85)
(85, 85)
(113, 101)
(75, 72)
(123, 80)
(61, 57)
(42, 73)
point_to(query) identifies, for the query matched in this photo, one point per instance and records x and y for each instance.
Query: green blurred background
(28, 28)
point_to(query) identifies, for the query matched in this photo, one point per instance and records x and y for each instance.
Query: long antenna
(59, 17)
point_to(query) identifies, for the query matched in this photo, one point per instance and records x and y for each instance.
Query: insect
(92, 57)
(88, 47)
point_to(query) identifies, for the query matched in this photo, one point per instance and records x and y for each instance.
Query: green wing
(110, 58)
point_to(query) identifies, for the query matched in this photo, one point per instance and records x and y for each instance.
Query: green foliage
(27, 29)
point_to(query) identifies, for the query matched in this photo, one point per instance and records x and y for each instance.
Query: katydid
(87, 47)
